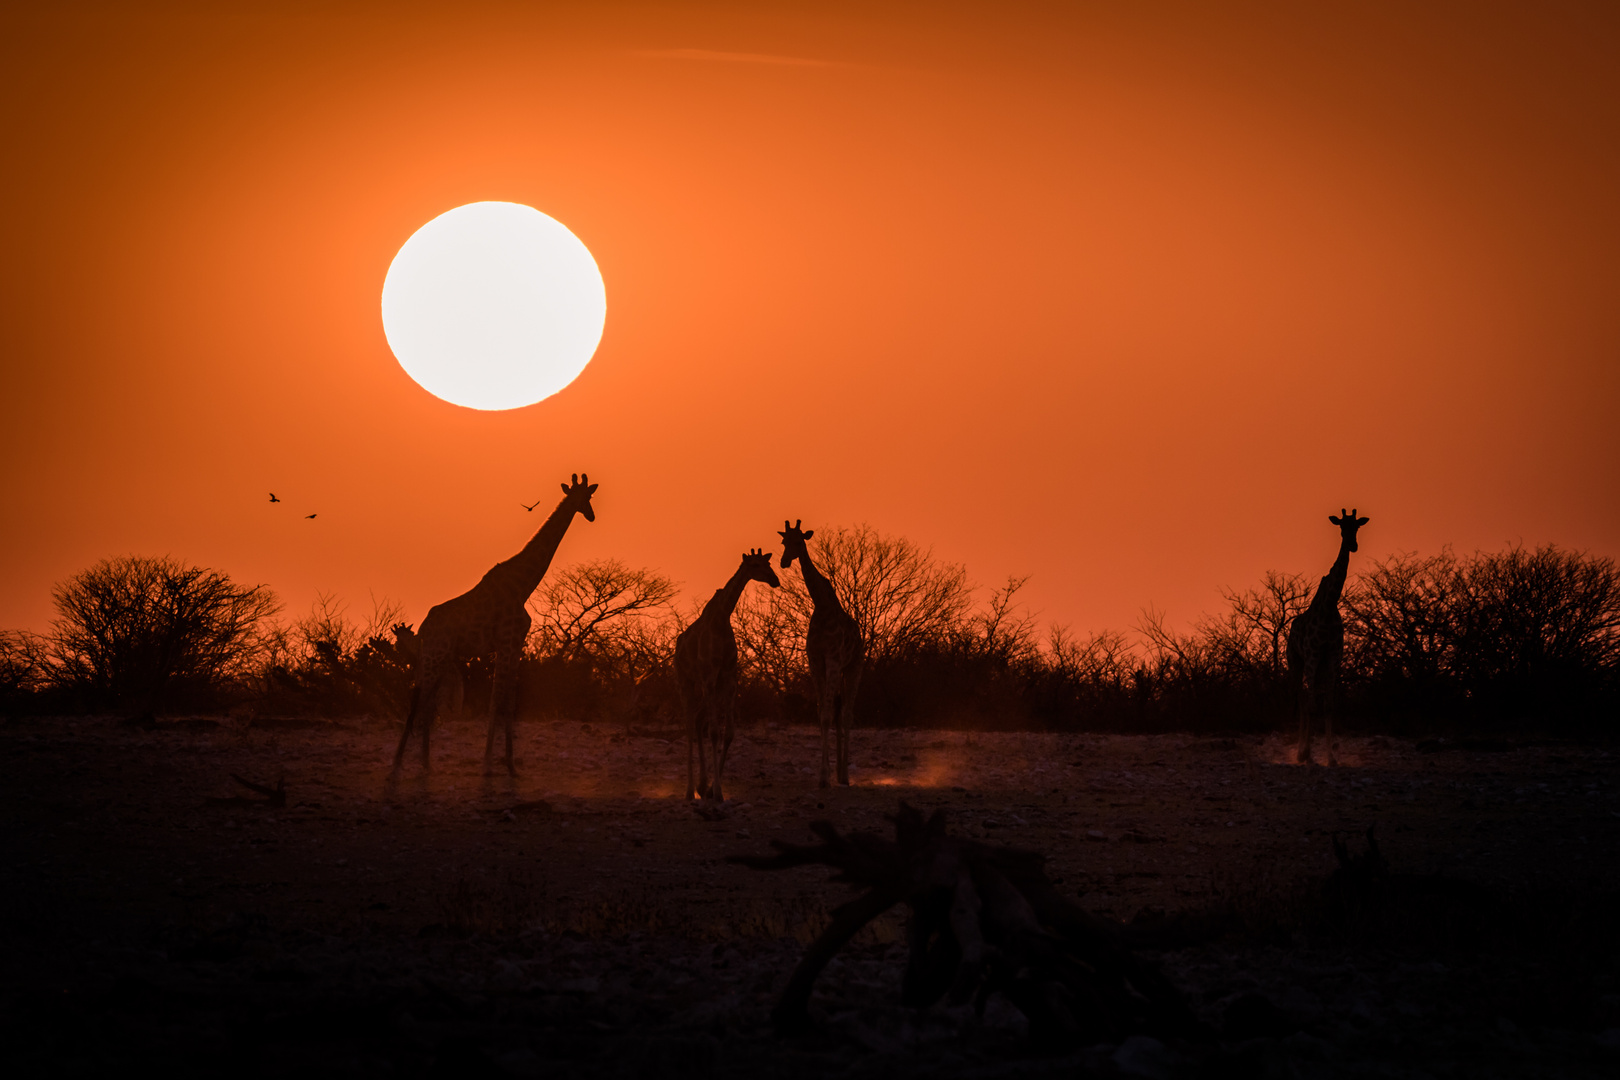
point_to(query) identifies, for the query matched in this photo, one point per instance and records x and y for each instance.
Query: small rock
(1141, 1055)
(506, 977)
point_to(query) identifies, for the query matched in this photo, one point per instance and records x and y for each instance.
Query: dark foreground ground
(582, 920)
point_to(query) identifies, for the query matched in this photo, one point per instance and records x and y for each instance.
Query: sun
(493, 305)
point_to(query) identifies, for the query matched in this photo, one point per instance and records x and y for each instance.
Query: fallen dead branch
(984, 920)
(274, 797)
(531, 806)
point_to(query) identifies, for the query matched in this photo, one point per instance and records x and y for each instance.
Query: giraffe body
(835, 651)
(706, 672)
(1316, 646)
(492, 620)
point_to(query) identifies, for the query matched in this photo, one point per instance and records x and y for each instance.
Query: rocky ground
(582, 919)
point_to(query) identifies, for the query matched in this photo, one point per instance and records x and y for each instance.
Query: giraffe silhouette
(1316, 644)
(488, 620)
(706, 671)
(835, 648)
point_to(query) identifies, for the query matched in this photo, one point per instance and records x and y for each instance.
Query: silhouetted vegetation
(602, 646)
(22, 668)
(326, 664)
(150, 633)
(1521, 640)
(1504, 639)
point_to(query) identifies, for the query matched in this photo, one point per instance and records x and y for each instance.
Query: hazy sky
(1126, 297)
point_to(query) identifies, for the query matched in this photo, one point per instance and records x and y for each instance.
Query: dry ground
(581, 920)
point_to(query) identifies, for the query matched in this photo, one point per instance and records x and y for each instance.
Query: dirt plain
(582, 920)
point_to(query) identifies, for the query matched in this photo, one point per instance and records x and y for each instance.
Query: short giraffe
(1316, 644)
(706, 670)
(834, 645)
(490, 620)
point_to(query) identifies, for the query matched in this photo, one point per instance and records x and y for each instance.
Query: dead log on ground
(274, 797)
(984, 920)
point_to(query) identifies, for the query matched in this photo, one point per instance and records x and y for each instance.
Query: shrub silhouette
(24, 669)
(144, 633)
(1518, 637)
(327, 664)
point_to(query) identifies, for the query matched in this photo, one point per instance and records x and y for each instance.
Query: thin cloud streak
(736, 57)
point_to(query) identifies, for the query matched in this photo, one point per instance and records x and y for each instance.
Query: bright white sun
(493, 305)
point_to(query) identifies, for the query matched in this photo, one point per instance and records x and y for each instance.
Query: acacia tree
(1537, 624)
(1005, 630)
(620, 619)
(1257, 619)
(132, 630)
(1247, 640)
(23, 663)
(1102, 660)
(899, 594)
(1401, 617)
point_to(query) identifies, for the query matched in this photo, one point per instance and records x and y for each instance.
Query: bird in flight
(532, 505)
(308, 516)
(273, 497)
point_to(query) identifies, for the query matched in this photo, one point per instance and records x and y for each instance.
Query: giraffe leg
(511, 719)
(1329, 706)
(841, 738)
(494, 719)
(1305, 693)
(705, 730)
(424, 708)
(722, 740)
(410, 722)
(510, 711)
(826, 706)
(502, 707)
(692, 735)
(845, 704)
(427, 729)
(818, 680)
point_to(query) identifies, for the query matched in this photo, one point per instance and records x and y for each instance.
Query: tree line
(1513, 640)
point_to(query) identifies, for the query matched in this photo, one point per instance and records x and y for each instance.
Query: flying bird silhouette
(308, 516)
(273, 497)
(532, 505)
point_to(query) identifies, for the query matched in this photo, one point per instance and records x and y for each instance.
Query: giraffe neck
(1332, 585)
(521, 573)
(821, 590)
(724, 600)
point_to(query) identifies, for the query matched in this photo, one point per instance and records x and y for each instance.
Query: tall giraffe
(706, 670)
(834, 645)
(1316, 644)
(490, 619)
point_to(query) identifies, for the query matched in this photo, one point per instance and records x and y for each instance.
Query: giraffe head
(1348, 524)
(758, 565)
(577, 496)
(793, 542)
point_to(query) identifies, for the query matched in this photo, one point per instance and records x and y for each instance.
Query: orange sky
(1127, 298)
